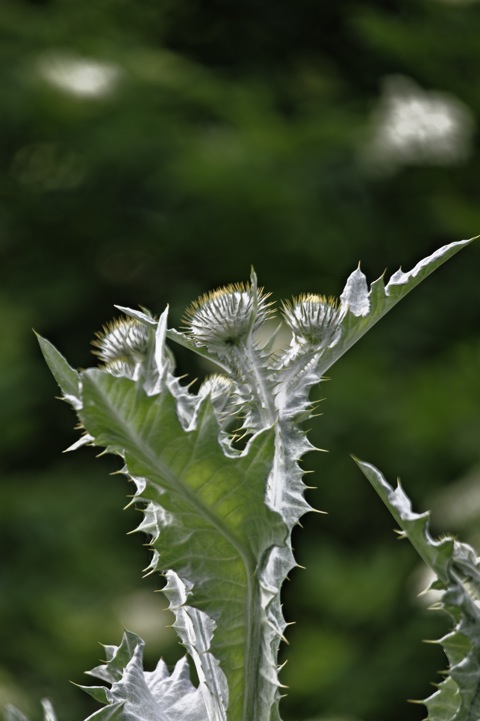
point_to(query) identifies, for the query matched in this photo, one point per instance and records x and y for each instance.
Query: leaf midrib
(147, 453)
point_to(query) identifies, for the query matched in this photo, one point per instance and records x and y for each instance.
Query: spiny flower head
(314, 318)
(216, 386)
(120, 368)
(221, 390)
(122, 343)
(225, 317)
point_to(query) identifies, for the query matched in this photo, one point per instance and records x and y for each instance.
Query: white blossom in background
(80, 76)
(413, 126)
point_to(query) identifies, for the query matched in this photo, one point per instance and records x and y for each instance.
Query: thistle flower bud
(120, 369)
(122, 343)
(314, 318)
(216, 386)
(227, 316)
(221, 390)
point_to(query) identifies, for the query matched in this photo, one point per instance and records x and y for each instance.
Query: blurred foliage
(223, 135)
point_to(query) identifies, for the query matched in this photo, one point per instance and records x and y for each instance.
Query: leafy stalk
(217, 475)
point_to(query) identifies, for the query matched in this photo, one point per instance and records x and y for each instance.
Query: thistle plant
(217, 474)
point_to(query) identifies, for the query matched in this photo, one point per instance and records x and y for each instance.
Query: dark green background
(233, 138)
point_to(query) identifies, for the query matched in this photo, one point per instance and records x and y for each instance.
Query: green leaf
(457, 568)
(147, 695)
(112, 712)
(66, 377)
(304, 364)
(436, 554)
(210, 526)
(363, 307)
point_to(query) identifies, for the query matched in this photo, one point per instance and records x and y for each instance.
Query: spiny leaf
(305, 362)
(457, 568)
(363, 308)
(66, 377)
(436, 554)
(207, 517)
(145, 695)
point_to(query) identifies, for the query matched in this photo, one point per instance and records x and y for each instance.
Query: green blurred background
(154, 149)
